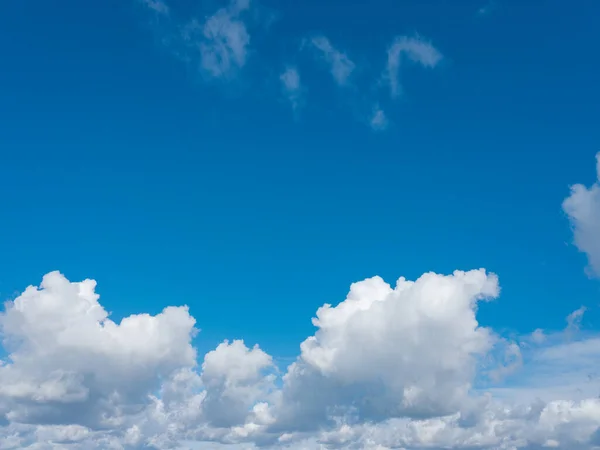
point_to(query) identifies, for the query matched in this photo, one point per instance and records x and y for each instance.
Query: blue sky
(130, 157)
(124, 164)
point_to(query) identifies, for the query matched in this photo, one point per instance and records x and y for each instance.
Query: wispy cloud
(379, 120)
(574, 319)
(219, 45)
(341, 66)
(416, 50)
(227, 40)
(291, 86)
(156, 5)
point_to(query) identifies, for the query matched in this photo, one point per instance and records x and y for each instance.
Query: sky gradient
(252, 160)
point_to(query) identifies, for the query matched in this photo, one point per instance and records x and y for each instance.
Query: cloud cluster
(389, 367)
(583, 210)
(221, 45)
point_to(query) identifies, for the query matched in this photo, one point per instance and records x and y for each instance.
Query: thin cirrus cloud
(414, 49)
(226, 39)
(379, 120)
(158, 6)
(220, 46)
(292, 87)
(339, 63)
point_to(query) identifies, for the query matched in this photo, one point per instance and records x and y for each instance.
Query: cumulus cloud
(69, 363)
(340, 65)
(388, 367)
(415, 49)
(583, 209)
(291, 86)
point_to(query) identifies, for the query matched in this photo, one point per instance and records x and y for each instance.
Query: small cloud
(341, 66)
(226, 40)
(219, 44)
(291, 86)
(157, 5)
(574, 319)
(379, 120)
(416, 50)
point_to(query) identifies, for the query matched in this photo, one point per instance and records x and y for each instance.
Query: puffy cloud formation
(583, 210)
(388, 367)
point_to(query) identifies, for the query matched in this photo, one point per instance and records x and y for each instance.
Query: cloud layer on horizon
(389, 367)
(405, 366)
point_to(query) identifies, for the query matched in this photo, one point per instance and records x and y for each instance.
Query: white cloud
(157, 5)
(69, 363)
(574, 319)
(388, 367)
(291, 86)
(340, 65)
(583, 210)
(416, 50)
(392, 352)
(379, 120)
(219, 45)
(225, 46)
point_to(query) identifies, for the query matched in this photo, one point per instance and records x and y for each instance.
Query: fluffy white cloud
(583, 209)
(339, 63)
(388, 367)
(69, 363)
(408, 351)
(416, 50)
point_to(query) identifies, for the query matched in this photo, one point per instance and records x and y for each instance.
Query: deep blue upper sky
(123, 164)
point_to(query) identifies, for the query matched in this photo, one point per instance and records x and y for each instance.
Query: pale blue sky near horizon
(122, 163)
